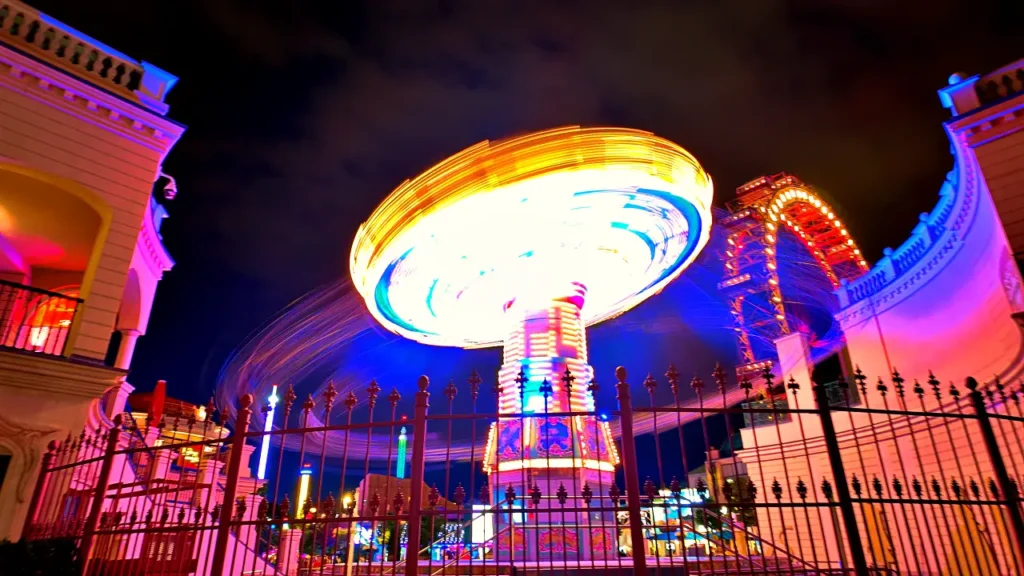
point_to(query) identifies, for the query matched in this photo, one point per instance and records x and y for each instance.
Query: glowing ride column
(547, 344)
(547, 338)
(403, 440)
(268, 427)
(303, 492)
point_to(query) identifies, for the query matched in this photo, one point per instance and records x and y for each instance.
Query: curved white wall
(942, 301)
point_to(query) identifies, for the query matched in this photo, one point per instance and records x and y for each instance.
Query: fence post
(227, 509)
(37, 492)
(100, 495)
(1008, 486)
(835, 460)
(419, 446)
(632, 474)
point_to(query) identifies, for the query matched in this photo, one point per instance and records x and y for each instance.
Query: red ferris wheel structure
(763, 209)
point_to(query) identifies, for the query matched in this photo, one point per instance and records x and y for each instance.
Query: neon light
(261, 472)
(556, 463)
(400, 465)
(304, 476)
(482, 524)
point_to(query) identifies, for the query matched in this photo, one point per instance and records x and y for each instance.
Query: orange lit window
(49, 319)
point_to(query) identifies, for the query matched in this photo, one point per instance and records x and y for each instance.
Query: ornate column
(247, 453)
(247, 533)
(26, 445)
(794, 350)
(208, 472)
(160, 464)
(288, 551)
(120, 398)
(127, 348)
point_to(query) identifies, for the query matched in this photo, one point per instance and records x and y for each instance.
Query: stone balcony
(37, 35)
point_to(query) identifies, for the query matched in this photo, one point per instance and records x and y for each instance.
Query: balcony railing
(1002, 83)
(27, 28)
(42, 37)
(35, 320)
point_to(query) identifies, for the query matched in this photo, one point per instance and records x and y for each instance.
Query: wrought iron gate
(890, 477)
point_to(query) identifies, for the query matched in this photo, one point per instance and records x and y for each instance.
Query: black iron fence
(913, 479)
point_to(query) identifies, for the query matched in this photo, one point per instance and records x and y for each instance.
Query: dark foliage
(53, 557)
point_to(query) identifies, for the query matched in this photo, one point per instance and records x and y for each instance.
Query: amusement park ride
(521, 243)
(525, 242)
(763, 209)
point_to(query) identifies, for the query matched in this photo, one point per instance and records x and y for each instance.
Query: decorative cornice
(152, 247)
(951, 221)
(898, 291)
(993, 122)
(59, 376)
(61, 91)
(26, 440)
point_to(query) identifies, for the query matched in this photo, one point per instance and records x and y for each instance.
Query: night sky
(303, 115)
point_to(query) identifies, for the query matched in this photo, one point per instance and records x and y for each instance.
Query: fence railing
(35, 320)
(913, 479)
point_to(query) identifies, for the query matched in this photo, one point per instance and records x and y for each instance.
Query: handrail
(39, 291)
(444, 567)
(1000, 84)
(132, 427)
(761, 539)
(934, 229)
(494, 509)
(36, 320)
(55, 42)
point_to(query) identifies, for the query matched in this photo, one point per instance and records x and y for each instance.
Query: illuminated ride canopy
(619, 211)
(527, 241)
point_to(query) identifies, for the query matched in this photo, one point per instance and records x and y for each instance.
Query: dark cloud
(304, 114)
(271, 36)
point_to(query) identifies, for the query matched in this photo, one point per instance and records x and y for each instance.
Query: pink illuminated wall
(75, 135)
(947, 295)
(944, 301)
(80, 152)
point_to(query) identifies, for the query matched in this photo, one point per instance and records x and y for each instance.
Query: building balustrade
(1003, 83)
(933, 229)
(25, 27)
(35, 320)
(53, 42)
